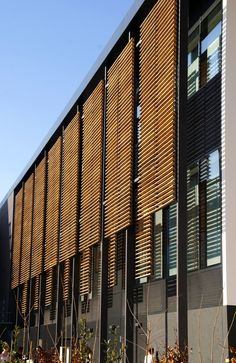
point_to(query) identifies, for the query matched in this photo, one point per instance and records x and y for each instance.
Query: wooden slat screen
(70, 186)
(27, 229)
(18, 213)
(66, 280)
(112, 260)
(119, 140)
(38, 219)
(157, 155)
(85, 270)
(36, 293)
(90, 222)
(24, 297)
(144, 245)
(48, 287)
(53, 205)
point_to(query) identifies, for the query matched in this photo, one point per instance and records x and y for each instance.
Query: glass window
(172, 240)
(158, 244)
(193, 218)
(213, 217)
(193, 62)
(204, 51)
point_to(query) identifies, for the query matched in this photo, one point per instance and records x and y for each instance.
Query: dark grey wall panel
(205, 288)
(204, 120)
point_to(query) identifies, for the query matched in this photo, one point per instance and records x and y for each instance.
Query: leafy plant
(175, 355)
(114, 353)
(81, 352)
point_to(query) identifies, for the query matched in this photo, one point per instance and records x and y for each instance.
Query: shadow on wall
(6, 298)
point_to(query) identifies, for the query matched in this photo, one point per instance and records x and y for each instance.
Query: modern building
(125, 216)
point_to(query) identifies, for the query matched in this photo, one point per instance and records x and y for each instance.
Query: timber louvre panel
(48, 287)
(119, 139)
(66, 280)
(112, 256)
(38, 219)
(53, 205)
(35, 304)
(70, 189)
(85, 270)
(91, 190)
(18, 213)
(24, 297)
(157, 155)
(27, 229)
(119, 151)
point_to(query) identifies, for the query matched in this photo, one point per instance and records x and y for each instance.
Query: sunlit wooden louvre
(144, 245)
(24, 298)
(157, 156)
(53, 205)
(85, 269)
(119, 141)
(35, 304)
(90, 222)
(38, 218)
(66, 280)
(112, 258)
(48, 287)
(18, 211)
(70, 184)
(27, 229)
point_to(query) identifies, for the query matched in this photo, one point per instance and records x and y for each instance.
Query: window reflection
(204, 51)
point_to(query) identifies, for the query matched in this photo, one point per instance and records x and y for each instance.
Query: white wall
(229, 151)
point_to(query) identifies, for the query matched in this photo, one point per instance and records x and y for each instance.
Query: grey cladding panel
(205, 288)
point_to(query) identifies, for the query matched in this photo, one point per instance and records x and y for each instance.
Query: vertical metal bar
(72, 316)
(42, 275)
(31, 311)
(129, 284)
(59, 306)
(104, 247)
(182, 322)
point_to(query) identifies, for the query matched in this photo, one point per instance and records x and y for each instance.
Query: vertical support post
(74, 299)
(129, 283)
(103, 245)
(182, 320)
(42, 276)
(59, 306)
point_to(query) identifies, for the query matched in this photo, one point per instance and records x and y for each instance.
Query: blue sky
(47, 47)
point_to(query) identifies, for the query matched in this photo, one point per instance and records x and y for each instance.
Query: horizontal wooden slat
(53, 205)
(27, 229)
(38, 218)
(91, 190)
(112, 261)
(157, 155)
(85, 262)
(119, 142)
(144, 245)
(70, 189)
(49, 287)
(66, 280)
(24, 299)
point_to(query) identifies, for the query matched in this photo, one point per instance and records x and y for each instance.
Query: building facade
(125, 216)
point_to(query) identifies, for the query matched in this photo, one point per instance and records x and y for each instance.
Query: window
(213, 216)
(204, 213)
(204, 50)
(193, 62)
